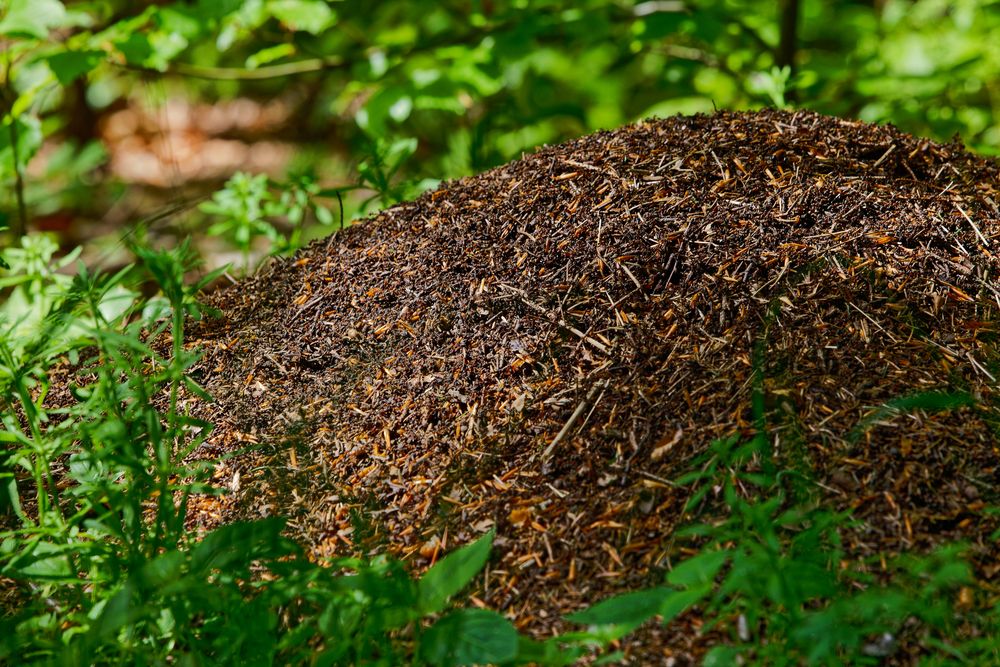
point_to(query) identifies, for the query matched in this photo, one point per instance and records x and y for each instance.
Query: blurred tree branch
(788, 26)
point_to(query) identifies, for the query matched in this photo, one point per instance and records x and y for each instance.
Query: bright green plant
(249, 206)
(241, 205)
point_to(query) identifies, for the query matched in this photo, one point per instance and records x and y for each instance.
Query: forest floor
(543, 348)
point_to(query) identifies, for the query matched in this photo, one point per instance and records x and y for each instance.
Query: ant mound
(544, 348)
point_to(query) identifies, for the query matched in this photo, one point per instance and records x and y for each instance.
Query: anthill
(543, 347)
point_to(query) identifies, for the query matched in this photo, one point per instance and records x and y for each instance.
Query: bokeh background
(117, 113)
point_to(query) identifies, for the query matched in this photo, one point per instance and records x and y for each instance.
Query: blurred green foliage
(476, 82)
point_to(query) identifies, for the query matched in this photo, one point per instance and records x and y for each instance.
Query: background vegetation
(394, 96)
(105, 105)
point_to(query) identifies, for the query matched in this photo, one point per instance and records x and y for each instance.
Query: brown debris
(542, 348)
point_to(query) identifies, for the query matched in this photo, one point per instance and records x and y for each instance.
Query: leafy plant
(772, 576)
(247, 206)
(379, 172)
(95, 507)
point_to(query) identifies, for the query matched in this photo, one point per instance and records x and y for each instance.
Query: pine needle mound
(543, 347)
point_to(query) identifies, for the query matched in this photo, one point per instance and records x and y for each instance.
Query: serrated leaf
(470, 637)
(32, 18)
(452, 573)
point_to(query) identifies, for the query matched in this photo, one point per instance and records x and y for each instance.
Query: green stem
(243, 74)
(45, 484)
(7, 95)
(20, 225)
(167, 460)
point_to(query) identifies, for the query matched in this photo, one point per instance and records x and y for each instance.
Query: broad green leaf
(676, 603)
(9, 496)
(45, 561)
(70, 65)
(136, 48)
(216, 9)
(313, 16)
(237, 545)
(629, 609)
(32, 18)
(550, 652)
(470, 637)
(452, 573)
(700, 569)
(180, 20)
(393, 102)
(162, 570)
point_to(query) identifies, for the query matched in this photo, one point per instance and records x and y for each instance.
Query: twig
(243, 74)
(573, 417)
(656, 478)
(974, 227)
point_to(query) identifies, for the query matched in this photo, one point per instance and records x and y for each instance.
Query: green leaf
(29, 140)
(550, 652)
(698, 570)
(323, 215)
(237, 545)
(470, 637)
(32, 18)
(392, 102)
(677, 602)
(313, 16)
(722, 656)
(629, 609)
(930, 401)
(216, 9)
(180, 20)
(615, 658)
(136, 48)
(70, 65)
(270, 54)
(119, 610)
(44, 561)
(452, 573)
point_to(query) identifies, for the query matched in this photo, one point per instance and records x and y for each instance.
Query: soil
(544, 347)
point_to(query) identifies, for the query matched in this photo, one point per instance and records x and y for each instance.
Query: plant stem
(7, 95)
(20, 224)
